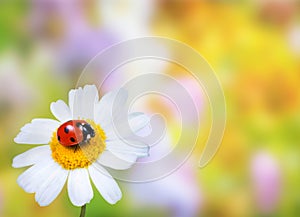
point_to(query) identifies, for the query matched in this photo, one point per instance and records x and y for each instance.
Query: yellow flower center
(79, 156)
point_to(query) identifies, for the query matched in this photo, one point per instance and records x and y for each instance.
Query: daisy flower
(78, 146)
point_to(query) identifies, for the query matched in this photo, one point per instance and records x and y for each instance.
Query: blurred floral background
(254, 48)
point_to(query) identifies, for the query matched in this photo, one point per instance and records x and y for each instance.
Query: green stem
(82, 213)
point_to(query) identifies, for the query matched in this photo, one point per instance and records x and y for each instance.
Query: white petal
(82, 102)
(128, 147)
(28, 138)
(76, 102)
(31, 156)
(79, 187)
(39, 131)
(61, 111)
(136, 122)
(131, 158)
(52, 185)
(105, 184)
(71, 100)
(32, 178)
(110, 160)
(109, 106)
(44, 124)
(90, 98)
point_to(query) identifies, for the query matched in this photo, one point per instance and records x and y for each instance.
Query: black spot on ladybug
(66, 130)
(72, 139)
(58, 138)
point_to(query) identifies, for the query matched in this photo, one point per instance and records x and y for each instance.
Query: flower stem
(82, 213)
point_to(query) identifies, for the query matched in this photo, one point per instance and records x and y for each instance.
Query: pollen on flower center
(80, 156)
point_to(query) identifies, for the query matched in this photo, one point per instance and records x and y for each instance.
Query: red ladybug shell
(69, 133)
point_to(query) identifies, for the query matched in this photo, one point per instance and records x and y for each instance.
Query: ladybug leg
(76, 147)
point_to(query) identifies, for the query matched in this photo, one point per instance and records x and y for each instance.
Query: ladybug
(74, 133)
